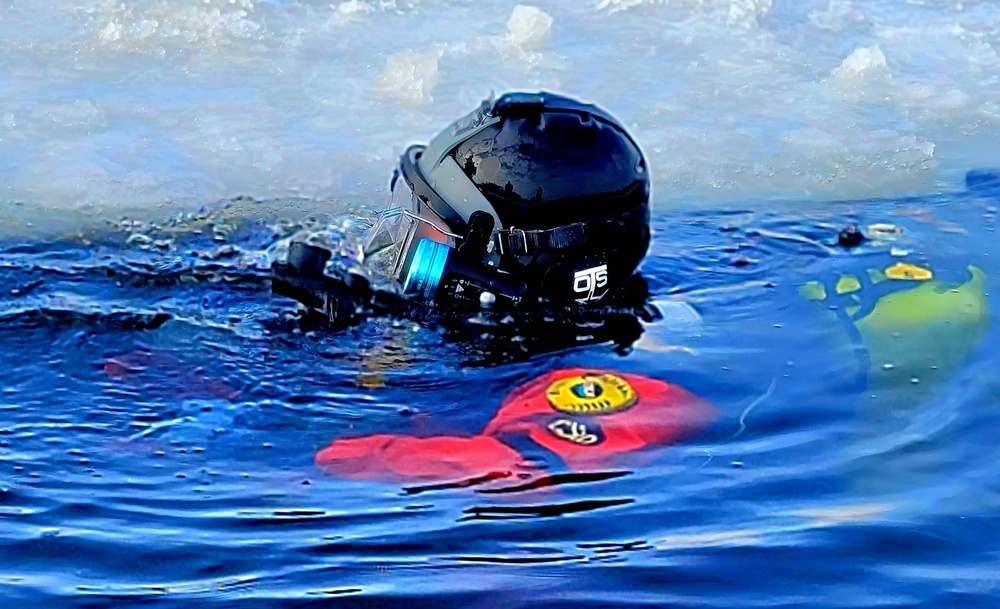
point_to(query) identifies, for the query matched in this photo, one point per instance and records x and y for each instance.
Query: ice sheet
(147, 107)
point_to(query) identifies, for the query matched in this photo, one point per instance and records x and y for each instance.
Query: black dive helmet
(531, 196)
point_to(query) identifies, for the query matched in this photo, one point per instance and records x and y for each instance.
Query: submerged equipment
(908, 322)
(531, 201)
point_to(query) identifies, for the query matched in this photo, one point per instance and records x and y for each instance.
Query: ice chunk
(838, 16)
(163, 26)
(853, 159)
(738, 12)
(748, 12)
(410, 76)
(865, 64)
(528, 26)
(614, 6)
(354, 7)
(678, 316)
(63, 116)
(349, 12)
(527, 29)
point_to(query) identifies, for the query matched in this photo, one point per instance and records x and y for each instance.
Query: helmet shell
(551, 160)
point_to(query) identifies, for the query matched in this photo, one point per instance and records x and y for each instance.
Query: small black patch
(850, 237)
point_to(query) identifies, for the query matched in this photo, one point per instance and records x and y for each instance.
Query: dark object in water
(983, 181)
(850, 237)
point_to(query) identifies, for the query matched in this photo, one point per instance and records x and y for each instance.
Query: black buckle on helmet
(516, 240)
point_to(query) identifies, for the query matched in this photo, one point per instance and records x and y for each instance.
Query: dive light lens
(426, 268)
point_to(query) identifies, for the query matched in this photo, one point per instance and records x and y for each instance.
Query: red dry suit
(586, 419)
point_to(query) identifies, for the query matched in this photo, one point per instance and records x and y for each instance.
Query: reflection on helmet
(531, 196)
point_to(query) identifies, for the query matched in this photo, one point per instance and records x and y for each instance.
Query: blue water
(161, 412)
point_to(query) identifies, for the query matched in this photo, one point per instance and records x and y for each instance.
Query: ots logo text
(573, 431)
(592, 283)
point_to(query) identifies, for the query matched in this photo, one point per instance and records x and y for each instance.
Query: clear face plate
(397, 229)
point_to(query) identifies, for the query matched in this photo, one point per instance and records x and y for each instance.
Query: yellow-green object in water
(920, 334)
(916, 333)
(847, 284)
(813, 290)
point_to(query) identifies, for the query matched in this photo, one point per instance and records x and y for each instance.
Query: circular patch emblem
(591, 394)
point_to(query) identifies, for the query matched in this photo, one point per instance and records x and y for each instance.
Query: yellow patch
(591, 394)
(905, 270)
(847, 284)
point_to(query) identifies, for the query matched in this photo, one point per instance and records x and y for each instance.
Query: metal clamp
(511, 231)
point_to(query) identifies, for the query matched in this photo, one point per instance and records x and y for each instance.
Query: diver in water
(519, 228)
(530, 212)
(528, 219)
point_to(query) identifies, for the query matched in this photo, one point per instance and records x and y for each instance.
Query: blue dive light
(433, 263)
(427, 268)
